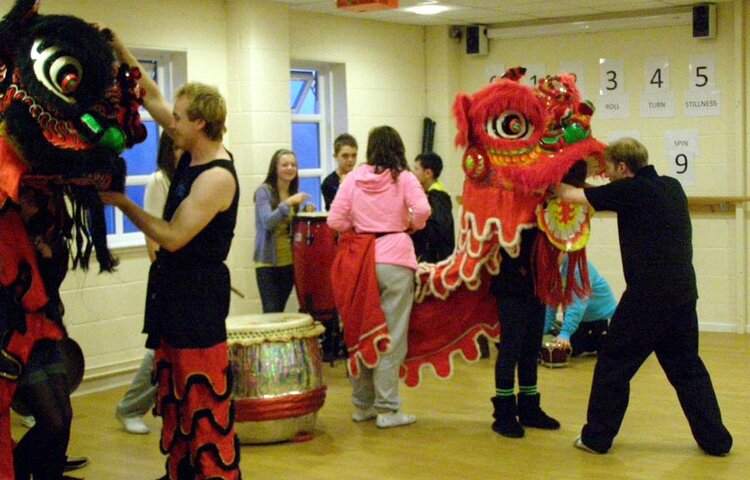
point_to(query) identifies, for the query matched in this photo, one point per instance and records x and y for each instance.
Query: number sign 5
(702, 72)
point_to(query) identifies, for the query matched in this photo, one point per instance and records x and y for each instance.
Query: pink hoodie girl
(371, 202)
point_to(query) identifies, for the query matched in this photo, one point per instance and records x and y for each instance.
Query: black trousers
(521, 331)
(275, 285)
(637, 329)
(44, 391)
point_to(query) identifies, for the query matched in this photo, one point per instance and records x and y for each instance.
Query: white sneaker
(360, 415)
(133, 424)
(394, 419)
(74, 463)
(28, 421)
(578, 443)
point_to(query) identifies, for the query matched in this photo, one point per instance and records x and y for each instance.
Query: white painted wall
(397, 75)
(719, 167)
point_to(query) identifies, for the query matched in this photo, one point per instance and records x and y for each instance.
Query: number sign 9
(683, 166)
(681, 163)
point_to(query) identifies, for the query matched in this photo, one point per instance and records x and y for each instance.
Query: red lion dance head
(519, 141)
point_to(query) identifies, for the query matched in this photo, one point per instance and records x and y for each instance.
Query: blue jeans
(275, 285)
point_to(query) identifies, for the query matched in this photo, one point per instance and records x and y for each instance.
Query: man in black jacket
(437, 240)
(657, 312)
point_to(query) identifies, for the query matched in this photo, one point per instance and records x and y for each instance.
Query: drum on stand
(278, 376)
(314, 248)
(553, 355)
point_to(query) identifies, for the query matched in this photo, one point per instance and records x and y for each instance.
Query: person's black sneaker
(74, 463)
(720, 450)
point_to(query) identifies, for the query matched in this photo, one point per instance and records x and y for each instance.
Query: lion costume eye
(509, 125)
(60, 73)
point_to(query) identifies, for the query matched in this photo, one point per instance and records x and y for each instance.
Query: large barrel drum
(278, 376)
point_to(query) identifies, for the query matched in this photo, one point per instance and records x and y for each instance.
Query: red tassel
(583, 289)
(547, 280)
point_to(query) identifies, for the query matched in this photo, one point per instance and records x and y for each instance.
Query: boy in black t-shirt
(435, 241)
(345, 153)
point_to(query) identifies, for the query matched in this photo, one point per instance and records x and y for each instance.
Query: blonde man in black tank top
(188, 291)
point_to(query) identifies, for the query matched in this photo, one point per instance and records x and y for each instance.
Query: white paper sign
(611, 76)
(534, 73)
(613, 106)
(702, 104)
(682, 149)
(493, 72)
(656, 75)
(658, 105)
(702, 72)
(576, 68)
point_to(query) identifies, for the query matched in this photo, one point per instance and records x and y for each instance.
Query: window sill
(126, 241)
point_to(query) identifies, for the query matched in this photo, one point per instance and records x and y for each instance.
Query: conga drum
(314, 248)
(278, 376)
(553, 355)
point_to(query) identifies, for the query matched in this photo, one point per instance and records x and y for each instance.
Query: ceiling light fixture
(428, 9)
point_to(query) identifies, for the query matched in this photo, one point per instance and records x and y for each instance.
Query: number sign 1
(534, 73)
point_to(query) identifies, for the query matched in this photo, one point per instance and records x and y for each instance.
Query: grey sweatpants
(378, 386)
(141, 396)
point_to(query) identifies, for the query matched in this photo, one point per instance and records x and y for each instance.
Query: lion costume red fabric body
(518, 142)
(65, 116)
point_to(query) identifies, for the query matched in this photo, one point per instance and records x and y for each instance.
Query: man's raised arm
(154, 100)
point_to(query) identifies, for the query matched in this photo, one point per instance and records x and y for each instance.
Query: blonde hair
(205, 103)
(629, 151)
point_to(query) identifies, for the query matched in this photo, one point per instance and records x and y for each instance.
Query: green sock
(527, 390)
(504, 392)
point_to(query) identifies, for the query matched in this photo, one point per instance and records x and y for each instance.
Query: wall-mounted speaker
(476, 40)
(704, 20)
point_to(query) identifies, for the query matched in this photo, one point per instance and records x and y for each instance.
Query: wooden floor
(452, 438)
